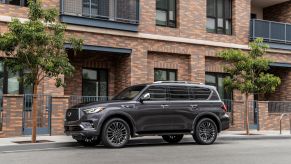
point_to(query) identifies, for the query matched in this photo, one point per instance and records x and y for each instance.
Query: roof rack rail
(177, 82)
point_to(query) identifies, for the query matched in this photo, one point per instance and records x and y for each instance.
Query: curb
(253, 137)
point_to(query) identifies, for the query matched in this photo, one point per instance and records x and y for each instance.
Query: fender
(116, 113)
(200, 115)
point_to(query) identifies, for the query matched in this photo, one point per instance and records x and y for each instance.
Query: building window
(166, 13)
(95, 82)
(9, 83)
(217, 80)
(165, 75)
(16, 2)
(96, 8)
(219, 13)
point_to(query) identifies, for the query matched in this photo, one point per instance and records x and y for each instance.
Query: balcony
(110, 14)
(276, 34)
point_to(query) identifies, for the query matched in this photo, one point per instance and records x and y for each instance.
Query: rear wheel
(205, 132)
(115, 133)
(173, 138)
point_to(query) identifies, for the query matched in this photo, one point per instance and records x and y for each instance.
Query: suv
(167, 109)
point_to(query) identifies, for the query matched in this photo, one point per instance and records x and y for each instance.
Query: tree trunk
(34, 112)
(247, 114)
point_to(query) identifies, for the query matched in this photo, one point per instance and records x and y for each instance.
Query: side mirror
(145, 97)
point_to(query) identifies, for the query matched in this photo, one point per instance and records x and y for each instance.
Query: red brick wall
(118, 67)
(271, 121)
(282, 93)
(169, 61)
(192, 21)
(12, 115)
(280, 12)
(59, 107)
(191, 18)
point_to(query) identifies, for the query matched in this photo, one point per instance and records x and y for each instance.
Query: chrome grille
(73, 114)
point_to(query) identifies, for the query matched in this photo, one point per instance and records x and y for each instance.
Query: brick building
(128, 42)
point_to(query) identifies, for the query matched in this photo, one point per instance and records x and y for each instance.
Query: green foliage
(37, 46)
(248, 69)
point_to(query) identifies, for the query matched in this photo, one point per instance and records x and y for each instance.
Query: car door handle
(164, 106)
(194, 106)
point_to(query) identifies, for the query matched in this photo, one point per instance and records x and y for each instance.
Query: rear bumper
(225, 121)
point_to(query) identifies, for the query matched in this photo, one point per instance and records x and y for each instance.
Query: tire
(115, 133)
(173, 138)
(89, 143)
(205, 132)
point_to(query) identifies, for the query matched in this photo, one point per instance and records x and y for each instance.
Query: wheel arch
(211, 116)
(122, 116)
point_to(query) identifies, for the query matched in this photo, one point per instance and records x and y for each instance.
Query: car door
(151, 115)
(181, 109)
(199, 97)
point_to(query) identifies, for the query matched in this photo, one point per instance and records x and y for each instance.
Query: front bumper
(80, 130)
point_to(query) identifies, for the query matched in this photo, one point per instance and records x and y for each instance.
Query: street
(226, 151)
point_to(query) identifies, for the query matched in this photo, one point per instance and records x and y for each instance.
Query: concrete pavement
(154, 150)
(225, 135)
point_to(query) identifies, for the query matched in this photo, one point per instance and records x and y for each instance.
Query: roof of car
(180, 83)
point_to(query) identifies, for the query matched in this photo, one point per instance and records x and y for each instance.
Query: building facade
(128, 42)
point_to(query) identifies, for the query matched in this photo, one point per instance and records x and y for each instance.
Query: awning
(102, 49)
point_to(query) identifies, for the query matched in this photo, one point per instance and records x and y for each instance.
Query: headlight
(94, 110)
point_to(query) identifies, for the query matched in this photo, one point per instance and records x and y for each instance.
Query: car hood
(100, 103)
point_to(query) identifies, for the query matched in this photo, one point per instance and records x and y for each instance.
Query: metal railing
(270, 31)
(279, 106)
(74, 100)
(125, 11)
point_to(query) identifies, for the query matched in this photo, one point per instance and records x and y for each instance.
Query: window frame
(98, 77)
(167, 72)
(156, 100)
(21, 3)
(217, 75)
(169, 98)
(223, 17)
(167, 15)
(21, 87)
(192, 93)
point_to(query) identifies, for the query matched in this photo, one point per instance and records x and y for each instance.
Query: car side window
(158, 93)
(178, 93)
(199, 93)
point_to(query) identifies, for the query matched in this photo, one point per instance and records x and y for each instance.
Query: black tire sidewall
(196, 136)
(104, 133)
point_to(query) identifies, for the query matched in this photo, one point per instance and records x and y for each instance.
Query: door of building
(94, 84)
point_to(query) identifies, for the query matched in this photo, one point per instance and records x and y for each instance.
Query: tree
(248, 72)
(37, 45)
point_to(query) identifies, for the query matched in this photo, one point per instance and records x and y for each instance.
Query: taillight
(224, 107)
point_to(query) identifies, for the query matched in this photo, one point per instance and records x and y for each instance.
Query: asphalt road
(224, 151)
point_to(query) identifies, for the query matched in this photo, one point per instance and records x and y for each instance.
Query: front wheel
(173, 138)
(115, 133)
(205, 132)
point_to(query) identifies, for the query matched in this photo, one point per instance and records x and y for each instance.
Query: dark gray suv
(167, 109)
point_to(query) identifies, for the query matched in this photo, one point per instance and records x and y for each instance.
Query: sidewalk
(254, 135)
(226, 135)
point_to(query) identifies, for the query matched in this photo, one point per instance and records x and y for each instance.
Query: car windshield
(129, 93)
